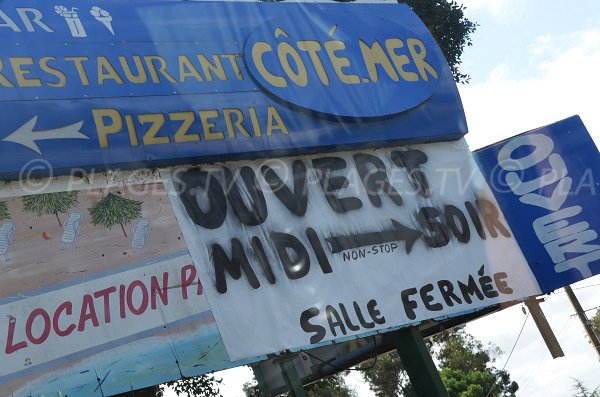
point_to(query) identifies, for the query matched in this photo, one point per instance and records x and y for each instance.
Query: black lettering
(333, 323)
(375, 313)
(462, 234)
(411, 160)
(292, 254)
(319, 332)
(470, 289)
(233, 265)
(409, 304)
(191, 182)
(427, 298)
(347, 320)
(439, 233)
(486, 284)
(325, 166)
(317, 247)
(361, 318)
(259, 250)
(296, 201)
(447, 290)
(374, 178)
(257, 213)
(475, 219)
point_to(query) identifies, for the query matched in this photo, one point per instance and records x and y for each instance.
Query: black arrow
(399, 232)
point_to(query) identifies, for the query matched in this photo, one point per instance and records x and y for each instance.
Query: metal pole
(587, 324)
(418, 363)
(290, 375)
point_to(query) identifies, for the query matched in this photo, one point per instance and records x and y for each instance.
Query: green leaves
(199, 386)
(115, 210)
(50, 203)
(466, 369)
(331, 386)
(596, 322)
(4, 211)
(446, 21)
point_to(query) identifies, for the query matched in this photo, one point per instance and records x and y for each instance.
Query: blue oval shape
(343, 64)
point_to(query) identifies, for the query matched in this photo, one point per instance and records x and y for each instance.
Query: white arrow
(24, 135)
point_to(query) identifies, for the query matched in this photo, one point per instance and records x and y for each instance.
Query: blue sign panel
(547, 182)
(150, 83)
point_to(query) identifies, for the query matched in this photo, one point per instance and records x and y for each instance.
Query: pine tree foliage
(4, 211)
(115, 210)
(50, 203)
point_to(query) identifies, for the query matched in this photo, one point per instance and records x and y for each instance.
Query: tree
(115, 210)
(446, 21)
(199, 386)
(582, 391)
(466, 370)
(330, 386)
(386, 376)
(4, 211)
(50, 203)
(596, 322)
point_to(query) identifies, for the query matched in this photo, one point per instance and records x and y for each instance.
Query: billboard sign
(99, 295)
(547, 182)
(306, 250)
(153, 83)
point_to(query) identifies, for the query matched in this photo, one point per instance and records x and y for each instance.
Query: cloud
(567, 82)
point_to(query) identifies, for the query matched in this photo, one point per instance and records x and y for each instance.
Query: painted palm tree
(4, 211)
(115, 210)
(51, 203)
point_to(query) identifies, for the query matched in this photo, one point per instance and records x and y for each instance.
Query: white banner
(304, 250)
(59, 325)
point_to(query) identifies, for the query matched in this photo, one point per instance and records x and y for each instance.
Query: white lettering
(575, 243)
(580, 263)
(36, 18)
(520, 187)
(555, 201)
(554, 226)
(8, 23)
(542, 148)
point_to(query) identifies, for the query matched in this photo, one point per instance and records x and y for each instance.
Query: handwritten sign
(300, 251)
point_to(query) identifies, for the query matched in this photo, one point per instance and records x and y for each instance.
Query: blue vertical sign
(547, 183)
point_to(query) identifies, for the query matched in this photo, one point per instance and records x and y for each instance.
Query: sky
(531, 63)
